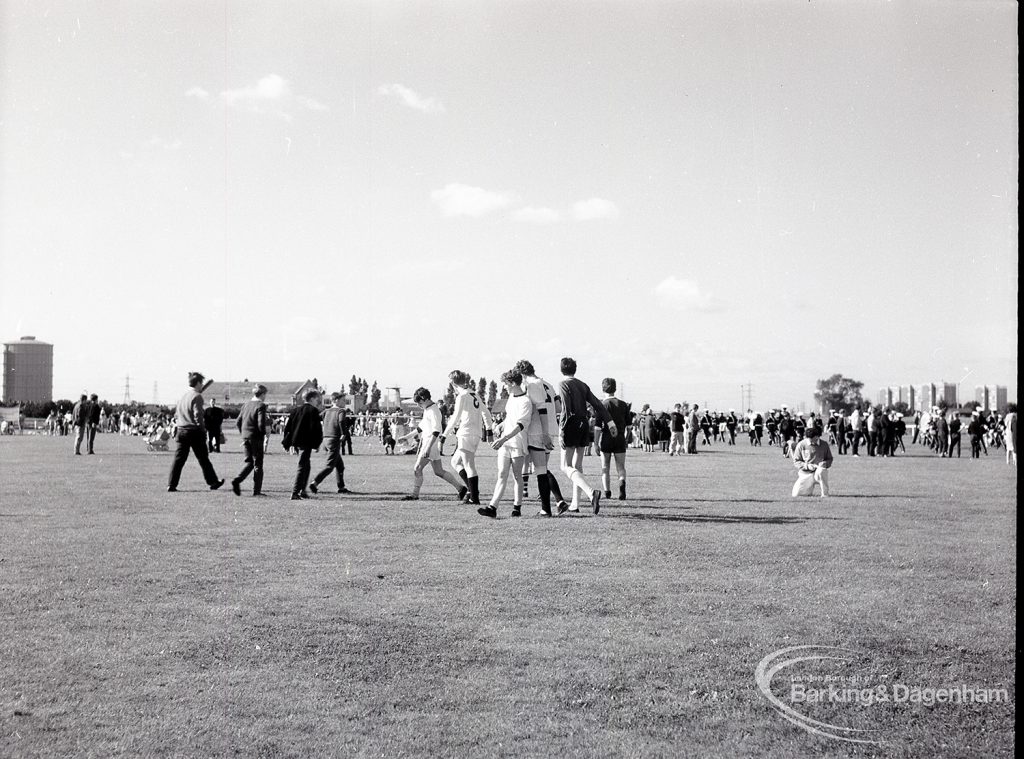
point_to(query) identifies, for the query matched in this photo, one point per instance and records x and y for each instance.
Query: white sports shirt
(468, 415)
(542, 396)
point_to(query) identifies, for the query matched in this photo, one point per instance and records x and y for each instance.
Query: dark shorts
(611, 444)
(575, 432)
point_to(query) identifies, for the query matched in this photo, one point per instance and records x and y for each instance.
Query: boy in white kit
(467, 422)
(429, 452)
(511, 445)
(539, 442)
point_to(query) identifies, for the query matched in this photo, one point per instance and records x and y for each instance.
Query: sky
(687, 196)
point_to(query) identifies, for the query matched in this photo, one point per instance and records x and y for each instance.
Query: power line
(127, 390)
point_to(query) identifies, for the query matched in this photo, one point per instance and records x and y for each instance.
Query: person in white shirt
(511, 445)
(539, 442)
(812, 458)
(1010, 433)
(429, 452)
(467, 422)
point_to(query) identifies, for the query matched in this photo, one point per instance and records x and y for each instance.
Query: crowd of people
(535, 416)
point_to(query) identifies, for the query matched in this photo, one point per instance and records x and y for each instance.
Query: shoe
(217, 485)
(78, 453)
(344, 489)
(607, 494)
(259, 495)
(488, 511)
(544, 513)
(562, 507)
(463, 492)
(296, 497)
(91, 453)
(410, 497)
(595, 501)
(236, 488)
(172, 489)
(622, 492)
(313, 488)
(517, 513)
(303, 495)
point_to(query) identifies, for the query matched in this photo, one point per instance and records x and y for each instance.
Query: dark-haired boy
(576, 396)
(334, 438)
(191, 435)
(303, 432)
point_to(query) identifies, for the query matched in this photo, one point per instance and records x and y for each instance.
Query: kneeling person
(812, 458)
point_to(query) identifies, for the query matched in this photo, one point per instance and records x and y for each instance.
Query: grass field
(135, 622)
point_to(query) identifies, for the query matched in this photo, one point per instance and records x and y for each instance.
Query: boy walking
(252, 423)
(303, 432)
(334, 437)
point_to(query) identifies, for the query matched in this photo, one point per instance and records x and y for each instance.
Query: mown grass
(141, 623)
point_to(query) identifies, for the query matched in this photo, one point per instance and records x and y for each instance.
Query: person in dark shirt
(678, 427)
(976, 429)
(252, 424)
(576, 396)
(731, 423)
(954, 435)
(614, 446)
(213, 418)
(334, 436)
(94, 419)
(303, 432)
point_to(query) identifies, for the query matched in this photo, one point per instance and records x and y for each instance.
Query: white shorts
(467, 442)
(434, 454)
(507, 454)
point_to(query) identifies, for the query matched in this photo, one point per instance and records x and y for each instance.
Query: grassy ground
(134, 622)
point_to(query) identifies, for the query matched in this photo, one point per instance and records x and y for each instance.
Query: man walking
(191, 435)
(303, 432)
(252, 423)
(334, 436)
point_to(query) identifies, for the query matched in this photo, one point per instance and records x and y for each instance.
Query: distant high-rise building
(908, 396)
(28, 371)
(996, 398)
(981, 397)
(949, 394)
(885, 397)
(926, 399)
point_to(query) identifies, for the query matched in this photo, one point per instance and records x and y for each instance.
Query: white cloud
(411, 99)
(534, 215)
(272, 87)
(310, 103)
(463, 200)
(684, 295)
(271, 94)
(159, 142)
(594, 208)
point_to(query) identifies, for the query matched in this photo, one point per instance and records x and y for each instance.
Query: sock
(474, 489)
(526, 486)
(462, 474)
(544, 486)
(555, 490)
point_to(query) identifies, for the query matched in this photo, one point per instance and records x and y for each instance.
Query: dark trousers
(214, 439)
(975, 447)
(346, 444)
(334, 462)
(856, 442)
(91, 436)
(191, 439)
(302, 473)
(253, 463)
